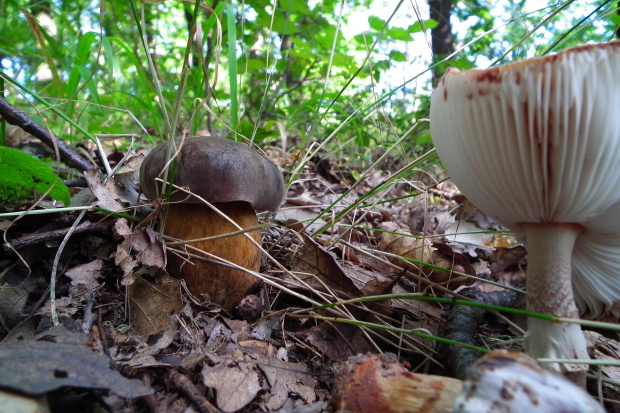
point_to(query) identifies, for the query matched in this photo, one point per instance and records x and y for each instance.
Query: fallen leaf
(399, 242)
(286, 378)
(106, 199)
(606, 349)
(336, 341)
(152, 304)
(86, 274)
(318, 268)
(236, 382)
(503, 258)
(12, 302)
(37, 367)
(140, 247)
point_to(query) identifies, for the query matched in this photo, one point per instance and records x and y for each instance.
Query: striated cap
(537, 140)
(218, 170)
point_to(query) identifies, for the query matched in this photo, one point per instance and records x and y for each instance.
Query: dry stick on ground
(463, 324)
(18, 118)
(188, 388)
(98, 228)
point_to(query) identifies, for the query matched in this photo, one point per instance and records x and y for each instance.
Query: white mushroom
(536, 145)
(511, 382)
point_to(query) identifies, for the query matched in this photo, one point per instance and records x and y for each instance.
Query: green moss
(21, 173)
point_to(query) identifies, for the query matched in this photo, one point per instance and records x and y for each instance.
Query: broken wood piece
(379, 383)
(513, 382)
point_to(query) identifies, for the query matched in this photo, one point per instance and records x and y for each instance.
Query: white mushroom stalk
(536, 145)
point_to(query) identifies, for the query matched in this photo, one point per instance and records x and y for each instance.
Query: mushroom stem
(223, 285)
(549, 289)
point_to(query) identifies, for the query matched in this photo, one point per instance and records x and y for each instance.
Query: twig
(89, 316)
(463, 324)
(18, 118)
(61, 247)
(187, 387)
(99, 228)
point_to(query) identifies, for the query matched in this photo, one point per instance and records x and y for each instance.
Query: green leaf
(397, 56)
(376, 23)
(461, 63)
(246, 65)
(295, 6)
(280, 23)
(614, 18)
(398, 33)
(417, 26)
(423, 139)
(20, 173)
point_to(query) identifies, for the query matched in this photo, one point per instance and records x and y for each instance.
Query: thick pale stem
(549, 291)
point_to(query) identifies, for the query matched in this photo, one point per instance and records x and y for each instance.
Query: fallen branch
(18, 118)
(462, 326)
(98, 228)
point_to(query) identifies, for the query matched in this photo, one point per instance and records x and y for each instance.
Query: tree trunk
(618, 28)
(441, 35)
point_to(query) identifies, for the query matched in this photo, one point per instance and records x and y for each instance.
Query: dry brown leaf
(605, 348)
(421, 309)
(139, 248)
(236, 382)
(85, 275)
(106, 199)
(400, 242)
(318, 267)
(12, 302)
(336, 341)
(64, 305)
(503, 258)
(61, 359)
(152, 304)
(286, 378)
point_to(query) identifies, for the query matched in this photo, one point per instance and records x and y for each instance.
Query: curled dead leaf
(422, 256)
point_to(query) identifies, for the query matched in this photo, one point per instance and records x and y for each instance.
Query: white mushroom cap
(542, 136)
(539, 136)
(596, 266)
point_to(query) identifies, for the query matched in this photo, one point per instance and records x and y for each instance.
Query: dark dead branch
(97, 228)
(462, 326)
(18, 118)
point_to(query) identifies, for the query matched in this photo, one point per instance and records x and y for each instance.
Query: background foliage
(354, 75)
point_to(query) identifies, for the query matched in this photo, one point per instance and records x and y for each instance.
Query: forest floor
(119, 334)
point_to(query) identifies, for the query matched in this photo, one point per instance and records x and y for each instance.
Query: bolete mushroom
(239, 182)
(536, 145)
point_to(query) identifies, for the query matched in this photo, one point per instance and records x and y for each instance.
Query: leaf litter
(189, 354)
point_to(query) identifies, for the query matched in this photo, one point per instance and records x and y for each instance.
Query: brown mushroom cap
(218, 170)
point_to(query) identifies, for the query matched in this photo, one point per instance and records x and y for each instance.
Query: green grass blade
(232, 65)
